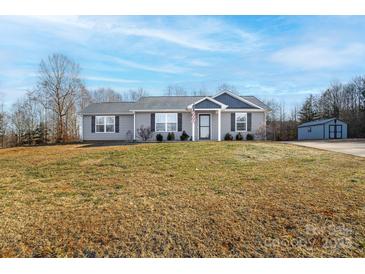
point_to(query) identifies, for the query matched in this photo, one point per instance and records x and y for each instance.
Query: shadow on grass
(107, 144)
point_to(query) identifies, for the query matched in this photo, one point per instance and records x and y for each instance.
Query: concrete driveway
(353, 147)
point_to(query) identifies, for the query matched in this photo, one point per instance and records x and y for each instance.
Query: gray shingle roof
(316, 122)
(165, 102)
(256, 101)
(108, 108)
(153, 103)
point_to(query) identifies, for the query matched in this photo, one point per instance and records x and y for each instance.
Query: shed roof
(317, 122)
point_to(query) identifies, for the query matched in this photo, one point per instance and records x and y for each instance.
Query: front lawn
(204, 199)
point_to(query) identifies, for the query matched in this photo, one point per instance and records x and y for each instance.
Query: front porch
(206, 119)
(206, 125)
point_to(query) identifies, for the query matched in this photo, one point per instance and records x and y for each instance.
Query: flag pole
(193, 123)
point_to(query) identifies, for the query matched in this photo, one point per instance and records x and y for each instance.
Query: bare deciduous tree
(3, 123)
(175, 90)
(134, 94)
(200, 92)
(84, 99)
(18, 121)
(145, 133)
(226, 87)
(58, 86)
(106, 95)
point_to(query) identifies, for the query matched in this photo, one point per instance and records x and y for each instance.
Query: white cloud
(158, 68)
(196, 74)
(109, 79)
(199, 63)
(314, 56)
(197, 33)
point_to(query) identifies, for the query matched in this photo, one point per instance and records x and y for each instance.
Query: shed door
(335, 131)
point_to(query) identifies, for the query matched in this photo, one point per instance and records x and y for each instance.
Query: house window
(104, 124)
(166, 122)
(241, 121)
(309, 129)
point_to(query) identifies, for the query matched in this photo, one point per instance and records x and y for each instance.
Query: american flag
(193, 117)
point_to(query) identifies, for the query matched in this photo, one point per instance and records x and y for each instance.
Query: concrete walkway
(350, 146)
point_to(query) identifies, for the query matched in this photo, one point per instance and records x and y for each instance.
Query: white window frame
(104, 124)
(165, 114)
(245, 114)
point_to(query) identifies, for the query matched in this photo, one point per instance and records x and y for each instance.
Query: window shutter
(92, 124)
(249, 121)
(116, 124)
(152, 122)
(179, 122)
(233, 121)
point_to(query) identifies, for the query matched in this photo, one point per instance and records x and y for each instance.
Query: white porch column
(219, 124)
(134, 126)
(192, 129)
(80, 121)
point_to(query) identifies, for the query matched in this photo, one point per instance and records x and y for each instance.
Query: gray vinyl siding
(125, 125)
(258, 121)
(144, 119)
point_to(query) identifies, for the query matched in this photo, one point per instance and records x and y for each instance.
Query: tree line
(48, 112)
(345, 102)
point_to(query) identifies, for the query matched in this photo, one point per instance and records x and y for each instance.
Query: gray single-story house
(201, 117)
(322, 130)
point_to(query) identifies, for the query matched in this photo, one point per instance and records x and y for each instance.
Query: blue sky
(282, 57)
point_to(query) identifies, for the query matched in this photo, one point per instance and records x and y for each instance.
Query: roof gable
(233, 101)
(206, 104)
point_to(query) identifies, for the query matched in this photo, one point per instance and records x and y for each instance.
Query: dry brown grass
(206, 199)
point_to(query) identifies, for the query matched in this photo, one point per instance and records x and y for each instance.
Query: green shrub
(159, 137)
(170, 136)
(228, 137)
(249, 137)
(184, 136)
(239, 136)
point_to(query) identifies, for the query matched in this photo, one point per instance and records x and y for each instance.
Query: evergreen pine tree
(308, 111)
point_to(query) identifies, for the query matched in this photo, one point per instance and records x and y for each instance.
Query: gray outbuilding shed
(322, 130)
